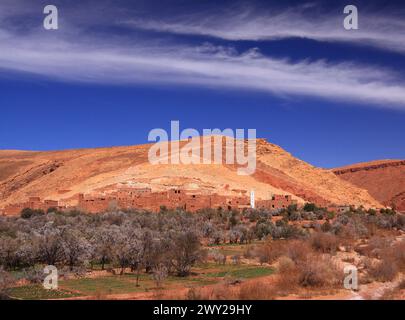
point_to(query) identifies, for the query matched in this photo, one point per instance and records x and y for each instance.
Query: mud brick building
(189, 200)
(145, 199)
(276, 202)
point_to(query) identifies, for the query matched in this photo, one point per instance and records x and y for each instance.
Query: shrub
(236, 259)
(308, 215)
(398, 253)
(394, 293)
(218, 257)
(266, 254)
(310, 207)
(326, 227)
(356, 228)
(324, 242)
(386, 221)
(292, 208)
(27, 213)
(296, 250)
(388, 211)
(294, 216)
(264, 228)
(375, 247)
(287, 231)
(52, 209)
(371, 212)
(249, 253)
(285, 264)
(34, 275)
(221, 291)
(384, 270)
(252, 291)
(336, 227)
(317, 271)
(400, 222)
(287, 278)
(195, 294)
(75, 272)
(343, 219)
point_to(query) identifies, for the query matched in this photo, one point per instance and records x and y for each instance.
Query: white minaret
(252, 199)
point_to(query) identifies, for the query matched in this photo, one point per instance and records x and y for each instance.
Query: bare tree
(159, 274)
(234, 235)
(186, 252)
(218, 257)
(76, 249)
(49, 246)
(122, 249)
(102, 243)
(8, 252)
(137, 253)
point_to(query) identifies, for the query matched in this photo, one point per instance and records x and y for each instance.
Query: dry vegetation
(208, 255)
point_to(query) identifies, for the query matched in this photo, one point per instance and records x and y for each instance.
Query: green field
(102, 285)
(37, 292)
(204, 274)
(241, 272)
(127, 284)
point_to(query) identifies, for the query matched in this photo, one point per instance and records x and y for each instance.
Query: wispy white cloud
(97, 59)
(383, 30)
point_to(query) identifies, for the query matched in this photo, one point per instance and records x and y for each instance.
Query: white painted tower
(252, 199)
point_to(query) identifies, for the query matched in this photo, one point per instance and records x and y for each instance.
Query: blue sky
(117, 69)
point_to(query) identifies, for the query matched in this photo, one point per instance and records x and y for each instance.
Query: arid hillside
(384, 180)
(61, 175)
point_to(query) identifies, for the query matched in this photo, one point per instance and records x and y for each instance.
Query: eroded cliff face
(367, 166)
(384, 180)
(61, 175)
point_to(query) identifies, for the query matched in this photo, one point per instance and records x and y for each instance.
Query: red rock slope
(384, 180)
(60, 175)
